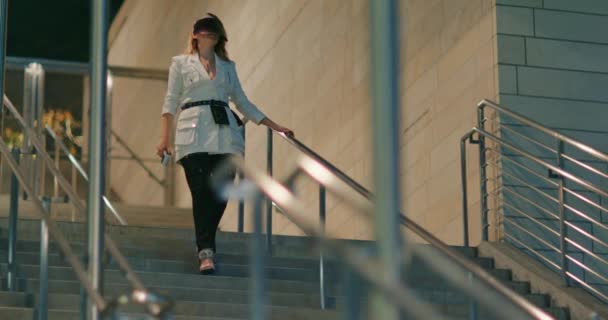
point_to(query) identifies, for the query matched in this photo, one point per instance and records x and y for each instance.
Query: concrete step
(142, 237)
(311, 300)
(14, 313)
(223, 309)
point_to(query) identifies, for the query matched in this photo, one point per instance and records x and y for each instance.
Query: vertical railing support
(483, 188)
(97, 151)
(43, 301)
(13, 217)
(269, 153)
(322, 279)
(257, 288)
(563, 231)
(463, 181)
(384, 44)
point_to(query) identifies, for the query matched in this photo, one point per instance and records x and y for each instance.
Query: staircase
(165, 260)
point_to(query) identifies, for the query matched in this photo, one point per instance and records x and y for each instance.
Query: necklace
(207, 65)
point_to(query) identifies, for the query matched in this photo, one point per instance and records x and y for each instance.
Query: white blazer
(195, 130)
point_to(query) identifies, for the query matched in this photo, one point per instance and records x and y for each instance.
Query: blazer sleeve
(237, 95)
(174, 88)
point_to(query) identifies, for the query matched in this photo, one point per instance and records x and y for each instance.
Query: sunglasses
(210, 35)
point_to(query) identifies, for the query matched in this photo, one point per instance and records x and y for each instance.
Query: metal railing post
(97, 151)
(33, 100)
(57, 165)
(384, 44)
(241, 209)
(563, 232)
(352, 288)
(257, 289)
(483, 188)
(13, 217)
(269, 154)
(108, 133)
(463, 179)
(473, 311)
(322, 279)
(43, 302)
(3, 27)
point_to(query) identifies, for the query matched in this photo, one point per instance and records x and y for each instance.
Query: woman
(207, 131)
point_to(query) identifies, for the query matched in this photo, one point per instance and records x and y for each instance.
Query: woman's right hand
(162, 146)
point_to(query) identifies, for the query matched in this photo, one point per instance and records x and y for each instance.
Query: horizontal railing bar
(548, 212)
(588, 269)
(531, 187)
(585, 199)
(555, 169)
(586, 234)
(586, 285)
(585, 165)
(584, 216)
(551, 263)
(507, 219)
(538, 143)
(504, 157)
(555, 134)
(587, 251)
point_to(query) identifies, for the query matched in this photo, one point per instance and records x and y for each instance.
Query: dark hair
(212, 24)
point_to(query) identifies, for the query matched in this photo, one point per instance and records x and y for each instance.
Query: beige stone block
(463, 78)
(445, 185)
(416, 147)
(429, 27)
(412, 69)
(422, 89)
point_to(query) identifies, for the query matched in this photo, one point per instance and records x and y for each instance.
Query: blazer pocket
(187, 125)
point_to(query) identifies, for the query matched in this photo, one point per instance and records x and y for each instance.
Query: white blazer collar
(219, 64)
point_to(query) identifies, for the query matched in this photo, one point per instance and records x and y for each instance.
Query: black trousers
(207, 207)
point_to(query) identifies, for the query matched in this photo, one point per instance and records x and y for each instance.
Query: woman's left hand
(277, 127)
(284, 130)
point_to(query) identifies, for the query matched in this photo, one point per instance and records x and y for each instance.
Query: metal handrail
(53, 230)
(331, 173)
(130, 275)
(292, 208)
(478, 135)
(83, 173)
(139, 161)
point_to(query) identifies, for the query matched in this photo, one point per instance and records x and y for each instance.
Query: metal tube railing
(295, 211)
(556, 172)
(326, 177)
(54, 231)
(12, 227)
(139, 289)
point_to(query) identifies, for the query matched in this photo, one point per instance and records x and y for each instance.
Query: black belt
(211, 103)
(218, 110)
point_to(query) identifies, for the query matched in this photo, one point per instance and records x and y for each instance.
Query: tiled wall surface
(553, 69)
(306, 64)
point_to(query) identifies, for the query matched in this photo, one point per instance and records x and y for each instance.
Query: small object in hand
(166, 158)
